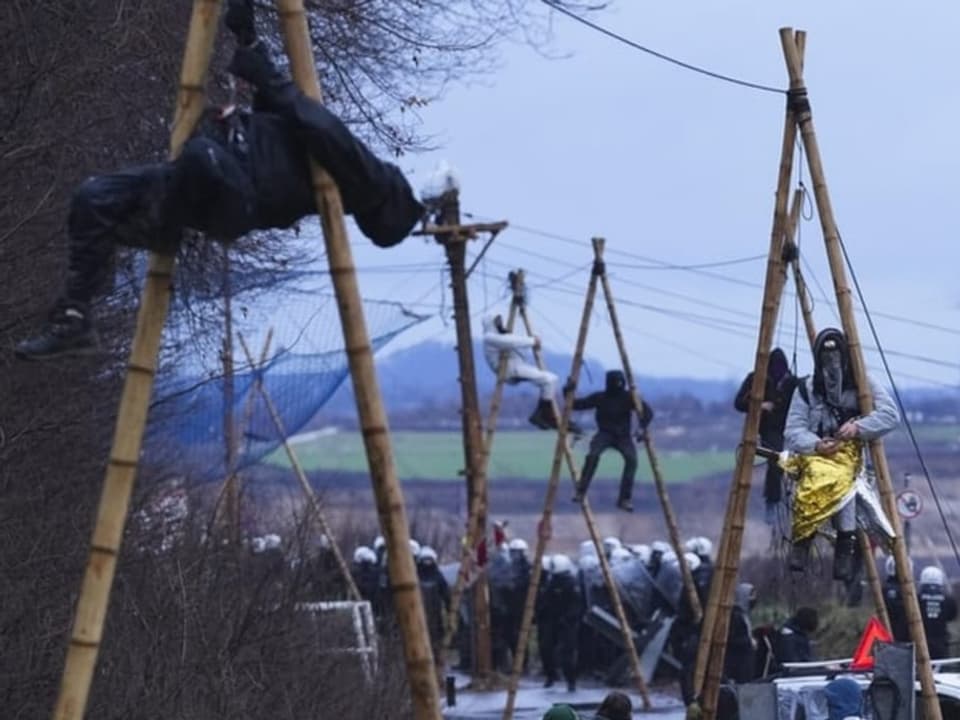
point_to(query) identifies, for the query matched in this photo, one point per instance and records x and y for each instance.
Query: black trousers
(621, 443)
(558, 648)
(773, 481)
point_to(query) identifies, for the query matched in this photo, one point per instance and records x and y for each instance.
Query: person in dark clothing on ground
(938, 609)
(793, 640)
(740, 662)
(615, 706)
(558, 618)
(436, 601)
(366, 574)
(614, 411)
(242, 171)
(520, 572)
(776, 401)
(893, 599)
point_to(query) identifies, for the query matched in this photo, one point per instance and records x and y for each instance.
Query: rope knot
(797, 101)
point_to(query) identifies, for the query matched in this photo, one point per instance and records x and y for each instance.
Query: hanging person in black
(614, 411)
(242, 171)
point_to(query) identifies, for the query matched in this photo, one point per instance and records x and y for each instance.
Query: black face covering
(831, 367)
(616, 381)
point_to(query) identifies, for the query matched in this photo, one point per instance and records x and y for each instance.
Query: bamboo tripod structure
(404, 586)
(91, 611)
(467, 548)
(831, 235)
(312, 500)
(562, 452)
(803, 298)
(670, 518)
(713, 635)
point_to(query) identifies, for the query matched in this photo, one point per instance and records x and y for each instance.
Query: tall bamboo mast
(229, 419)
(561, 453)
(91, 611)
(713, 637)
(831, 236)
(404, 586)
(867, 551)
(470, 540)
(669, 517)
(312, 500)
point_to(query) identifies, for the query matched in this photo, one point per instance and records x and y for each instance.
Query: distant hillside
(426, 374)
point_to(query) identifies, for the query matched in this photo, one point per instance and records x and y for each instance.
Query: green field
(516, 456)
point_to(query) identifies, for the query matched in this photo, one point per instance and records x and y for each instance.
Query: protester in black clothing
(776, 401)
(938, 609)
(614, 410)
(242, 171)
(893, 599)
(793, 640)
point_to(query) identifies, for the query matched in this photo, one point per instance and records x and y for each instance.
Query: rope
(896, 394)
(659, 55)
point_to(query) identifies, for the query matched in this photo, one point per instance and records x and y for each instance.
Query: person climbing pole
(243, 170)
(826, 431)
(497, 340)
(614, 408)
(773, 417)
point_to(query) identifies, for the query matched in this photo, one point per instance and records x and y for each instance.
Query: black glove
(569, 388)
(239, 20)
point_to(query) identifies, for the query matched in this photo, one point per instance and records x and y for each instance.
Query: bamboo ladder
(713, 635)
(562, 452)
(404, 586)
(469, 541)
(312, 500)
(92, 604)
(831, 236)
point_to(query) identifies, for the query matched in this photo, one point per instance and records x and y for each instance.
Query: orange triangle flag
(874, 632)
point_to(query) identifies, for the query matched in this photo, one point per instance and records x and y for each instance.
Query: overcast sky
(675, 167)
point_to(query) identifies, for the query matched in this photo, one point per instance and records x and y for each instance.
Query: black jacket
(614, 406)
(792, 644)
(779, 393)
(893, 599)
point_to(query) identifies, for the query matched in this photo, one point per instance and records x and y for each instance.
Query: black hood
(777, 366)
(616, 381)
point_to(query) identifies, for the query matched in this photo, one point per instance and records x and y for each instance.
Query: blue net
(304, 363)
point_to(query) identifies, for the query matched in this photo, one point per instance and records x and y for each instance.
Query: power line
(903, 411)
(659, 55)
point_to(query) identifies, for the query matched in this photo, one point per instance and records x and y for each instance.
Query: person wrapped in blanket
(824, 435)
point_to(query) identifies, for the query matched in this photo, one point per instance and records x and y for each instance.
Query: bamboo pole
(561, 452)
(831, 237)
(229, 422)
(92, 604)
(867, 551)
(298, 470)
(455, 247)
(470, 541)
(625, 629)
(713, 639)
(670, 518)
(404, 585)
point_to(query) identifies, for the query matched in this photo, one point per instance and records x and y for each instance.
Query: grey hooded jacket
(807, 422)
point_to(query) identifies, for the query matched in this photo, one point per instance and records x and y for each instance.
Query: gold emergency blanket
(823, 484)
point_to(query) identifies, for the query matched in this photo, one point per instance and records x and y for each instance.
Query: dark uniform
(937, 609)
(685, 633)
(614, 410)
(893, 599)
(792, 643)
(559, 611)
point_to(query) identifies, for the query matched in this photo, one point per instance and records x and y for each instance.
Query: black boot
(625, 504)
(543, 416)
(844, 556)
(68, 331)
(800, 555)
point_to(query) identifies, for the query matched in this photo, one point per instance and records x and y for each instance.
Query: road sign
(909, 504)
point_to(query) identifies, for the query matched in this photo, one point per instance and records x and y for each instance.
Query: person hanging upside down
(614, 410)
(497, 340)
(243, 170)
(826, 430)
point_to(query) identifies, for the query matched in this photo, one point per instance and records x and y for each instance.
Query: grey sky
(675, 166)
